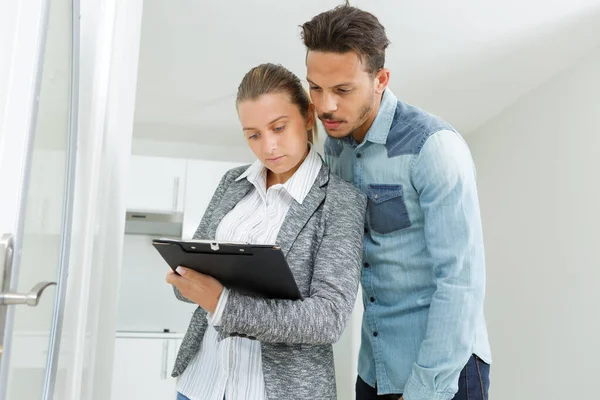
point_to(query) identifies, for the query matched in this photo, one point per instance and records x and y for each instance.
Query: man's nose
(329, 103)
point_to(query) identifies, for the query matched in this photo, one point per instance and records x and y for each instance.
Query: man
(423, 335)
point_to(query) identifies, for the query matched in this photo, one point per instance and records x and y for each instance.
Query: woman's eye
(279, 128)
(253, 136)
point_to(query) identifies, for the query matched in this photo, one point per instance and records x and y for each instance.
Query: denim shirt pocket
(387, 209)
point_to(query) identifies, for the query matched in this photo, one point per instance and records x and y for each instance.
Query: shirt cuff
(415, 391)
(214, 319)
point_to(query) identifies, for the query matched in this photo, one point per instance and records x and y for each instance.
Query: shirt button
(376, 196)
(372, 299)
(367, 265)
(358, 155)
(375, 334)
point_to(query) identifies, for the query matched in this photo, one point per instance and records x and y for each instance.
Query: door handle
(6, 257)
(8, 299)
(31, 299)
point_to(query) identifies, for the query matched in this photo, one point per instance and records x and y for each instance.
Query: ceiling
(463, 60)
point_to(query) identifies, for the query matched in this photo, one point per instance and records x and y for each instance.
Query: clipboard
(258, 270)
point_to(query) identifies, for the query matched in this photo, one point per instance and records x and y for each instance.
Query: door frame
(67, 222)
(17, 130)
(109, 45)
(28, 18)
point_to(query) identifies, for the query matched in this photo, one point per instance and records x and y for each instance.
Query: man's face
(343, 92)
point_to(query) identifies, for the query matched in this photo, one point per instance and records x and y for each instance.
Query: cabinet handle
(175, 194)
(164, 360)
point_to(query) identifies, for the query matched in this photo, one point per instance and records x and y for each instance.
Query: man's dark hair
(346, 28)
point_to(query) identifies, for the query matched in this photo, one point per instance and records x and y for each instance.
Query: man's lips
(331, 124)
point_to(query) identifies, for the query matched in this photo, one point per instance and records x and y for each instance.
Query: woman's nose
(271, 143)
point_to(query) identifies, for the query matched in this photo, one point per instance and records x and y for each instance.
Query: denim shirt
(423, 279)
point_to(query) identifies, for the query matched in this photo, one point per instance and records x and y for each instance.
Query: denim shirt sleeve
(444, 176)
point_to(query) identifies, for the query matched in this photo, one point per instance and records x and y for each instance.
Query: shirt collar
(378, 132)
(253, 172)
(297, 186)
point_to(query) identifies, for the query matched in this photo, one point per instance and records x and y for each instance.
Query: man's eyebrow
(336, 86)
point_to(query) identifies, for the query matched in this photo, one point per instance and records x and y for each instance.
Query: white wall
(538, 168)
(160, 148)
(190, 150)
(202, 148)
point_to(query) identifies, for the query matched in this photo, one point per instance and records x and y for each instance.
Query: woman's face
(276, 132)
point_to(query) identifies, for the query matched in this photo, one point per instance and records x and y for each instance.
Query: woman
(240, 347)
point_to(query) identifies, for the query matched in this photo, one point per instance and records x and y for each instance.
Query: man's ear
(382, 79)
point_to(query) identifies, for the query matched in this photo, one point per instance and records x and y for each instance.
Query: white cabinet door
(202, 179)
(174, 344)
(156, 184)
(142, 369)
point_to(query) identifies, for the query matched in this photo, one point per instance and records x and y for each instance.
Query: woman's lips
(275, 159)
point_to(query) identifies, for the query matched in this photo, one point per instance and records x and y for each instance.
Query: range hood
(152, 223)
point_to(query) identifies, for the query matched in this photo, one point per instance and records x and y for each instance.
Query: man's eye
(314, 88)
(344, 91)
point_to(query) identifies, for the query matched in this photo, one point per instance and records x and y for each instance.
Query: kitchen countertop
(149, 335)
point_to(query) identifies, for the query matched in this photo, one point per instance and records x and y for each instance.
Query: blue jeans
(473, 384)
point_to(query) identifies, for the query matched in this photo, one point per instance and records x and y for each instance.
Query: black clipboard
(258, 270)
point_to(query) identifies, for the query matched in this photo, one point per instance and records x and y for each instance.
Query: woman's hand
(202, 289)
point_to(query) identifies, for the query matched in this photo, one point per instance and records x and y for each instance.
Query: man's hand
(202, 289)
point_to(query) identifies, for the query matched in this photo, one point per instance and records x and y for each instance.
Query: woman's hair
(270, 78)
